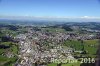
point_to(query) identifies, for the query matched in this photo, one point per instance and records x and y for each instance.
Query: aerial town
(54, 45)
(49, 32)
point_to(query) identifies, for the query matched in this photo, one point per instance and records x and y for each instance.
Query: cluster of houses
(40, 46)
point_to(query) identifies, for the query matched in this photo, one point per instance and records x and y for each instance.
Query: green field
(67, 64)
(54, 29)
(5, 61)
(90, 46)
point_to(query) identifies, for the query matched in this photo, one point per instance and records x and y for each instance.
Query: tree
(59, 64)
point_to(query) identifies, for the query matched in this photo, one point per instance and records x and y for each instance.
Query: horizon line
(26, 16)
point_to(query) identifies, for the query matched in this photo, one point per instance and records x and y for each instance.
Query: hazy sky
(72, 8)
